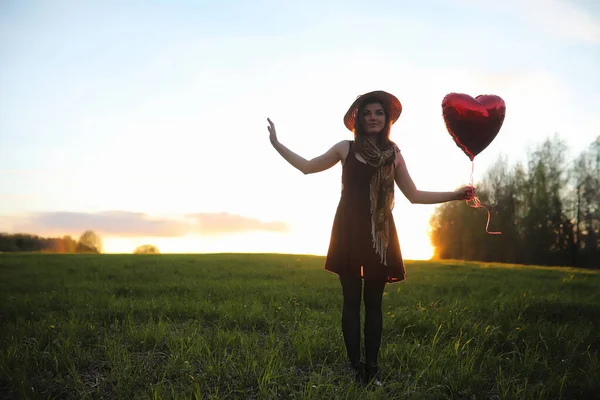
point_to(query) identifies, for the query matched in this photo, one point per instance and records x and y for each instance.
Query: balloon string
(477, 204)
(472, 170)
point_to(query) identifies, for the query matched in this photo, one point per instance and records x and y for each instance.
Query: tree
(89, 242)
(585, 208)
(146, 249)
(548, 214)
(70, 244)
(456, 231)
(544, 220)
(25, 242)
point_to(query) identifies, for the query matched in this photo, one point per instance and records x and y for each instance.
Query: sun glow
(302, 239)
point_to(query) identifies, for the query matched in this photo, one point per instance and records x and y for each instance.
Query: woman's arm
(317, 164)
(415, 196)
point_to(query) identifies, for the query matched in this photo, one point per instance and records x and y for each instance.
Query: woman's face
(373, 118)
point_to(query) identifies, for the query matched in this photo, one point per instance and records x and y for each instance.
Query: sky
(147, 121)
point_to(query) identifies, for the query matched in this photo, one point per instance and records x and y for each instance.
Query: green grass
(268, 327)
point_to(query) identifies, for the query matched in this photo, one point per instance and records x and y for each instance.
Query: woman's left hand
(465, 193)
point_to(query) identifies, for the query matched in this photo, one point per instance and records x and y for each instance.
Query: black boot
(359, 372)
(372, 375)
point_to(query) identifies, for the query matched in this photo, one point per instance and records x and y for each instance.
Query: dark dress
(351, 251)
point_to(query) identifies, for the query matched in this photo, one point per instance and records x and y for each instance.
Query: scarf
(382, 193)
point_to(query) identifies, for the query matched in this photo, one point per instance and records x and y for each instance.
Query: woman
(364, 242)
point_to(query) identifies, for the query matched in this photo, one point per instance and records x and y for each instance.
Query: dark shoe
(359, 371)
(372, 376)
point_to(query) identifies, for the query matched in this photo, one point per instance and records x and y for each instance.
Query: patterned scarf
(382, 193)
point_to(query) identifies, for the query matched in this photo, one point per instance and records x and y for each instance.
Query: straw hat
(393, 103)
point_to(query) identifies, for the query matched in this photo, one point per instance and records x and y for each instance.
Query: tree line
(547, 209)
(89, 242)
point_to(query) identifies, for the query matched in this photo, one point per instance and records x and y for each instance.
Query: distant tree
(8, 243)
(24, 242)
(53, 245)
(70, 244)
(89, 242)
(146, 249)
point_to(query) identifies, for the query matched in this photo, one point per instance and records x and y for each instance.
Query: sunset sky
(146, 121)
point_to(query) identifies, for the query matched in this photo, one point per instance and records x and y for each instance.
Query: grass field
(268, 326)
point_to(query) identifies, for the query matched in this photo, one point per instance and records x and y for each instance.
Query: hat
(393, 103)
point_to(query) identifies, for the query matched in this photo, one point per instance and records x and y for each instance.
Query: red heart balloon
(473, 122)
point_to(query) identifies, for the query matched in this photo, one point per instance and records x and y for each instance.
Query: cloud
(565, 18)
(132, 224)
(217, 223)
(559, 16)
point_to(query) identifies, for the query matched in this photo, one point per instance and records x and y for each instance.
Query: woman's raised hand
(272, 132)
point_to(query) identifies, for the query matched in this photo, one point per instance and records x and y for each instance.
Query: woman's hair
(383, 137)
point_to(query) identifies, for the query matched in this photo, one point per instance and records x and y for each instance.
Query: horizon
(112, 116)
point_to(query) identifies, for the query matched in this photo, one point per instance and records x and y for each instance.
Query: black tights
(351, 290)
